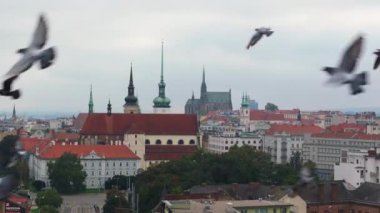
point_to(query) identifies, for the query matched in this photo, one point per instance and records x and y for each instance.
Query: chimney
(333, 191)
(321, 191)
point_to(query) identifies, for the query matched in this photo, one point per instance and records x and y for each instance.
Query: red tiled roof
(62, 136)
(29, 144)
(347, 135)
(108, 151)
(168, 152)
(344, 127)
(79, 121)
(150, 124)
(262, 115)
(294, 129)
(288, 111)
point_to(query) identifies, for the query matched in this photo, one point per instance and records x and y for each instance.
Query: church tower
(91, 102)
(161, 103)
(14, 117)
(244, 111)
(109, 108)
(131, 105)
(203, 88)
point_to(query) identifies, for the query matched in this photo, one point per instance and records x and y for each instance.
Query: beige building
(152, 137)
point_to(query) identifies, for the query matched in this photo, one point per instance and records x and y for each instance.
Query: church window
(147, 142)
(158, 141)
(169, 142)
(192, 142)
(180, 142)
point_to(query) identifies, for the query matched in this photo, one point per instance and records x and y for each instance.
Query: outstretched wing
(377, 62)
(255, 38)
(8, 83)
(351, 56)
(40, 34)
(21, 66)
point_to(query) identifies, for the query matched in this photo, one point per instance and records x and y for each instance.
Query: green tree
(48, 197)
(48, 209)
(23, 171)
(120, 181)
(116, 202)
(66, 174)
(271, 107)
(240, 165)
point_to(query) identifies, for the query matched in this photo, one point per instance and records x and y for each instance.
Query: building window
(120, 163)
(92, 164)
(92, 173)
(226, 142)
(180, 142)
(100, 164)
(113, 163)
(226, 147)
(113, 172)
(158, 141)
(147, 142)
(169, 142)
(107, 172)
(107, 163)
(192, 141)
(135, 136)
(85, 164)
(100, 172)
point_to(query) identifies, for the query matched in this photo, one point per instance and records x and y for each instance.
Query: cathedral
(209, 101)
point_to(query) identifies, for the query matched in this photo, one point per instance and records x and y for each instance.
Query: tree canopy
(116, 202)
(120, 181)
(239, 165)
(66, 174)
(271, 107)
(49, 197)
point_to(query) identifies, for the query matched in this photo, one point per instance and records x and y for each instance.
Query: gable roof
(150, 124)
(262, 115)
(108, 151)
(168, 152)
(294, 129)
(218, 97)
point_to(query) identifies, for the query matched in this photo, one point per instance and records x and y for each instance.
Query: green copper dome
(161, 102)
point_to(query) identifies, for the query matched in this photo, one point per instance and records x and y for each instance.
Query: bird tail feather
(47, 57)
(358, 81)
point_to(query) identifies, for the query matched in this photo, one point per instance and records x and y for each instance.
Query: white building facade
(99, 163)
(222, 144)
(358, 167)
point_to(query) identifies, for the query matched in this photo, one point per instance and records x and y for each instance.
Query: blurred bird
(10, 153)
(258, 35)
(377, 62)
(343, 74)
(32, 53)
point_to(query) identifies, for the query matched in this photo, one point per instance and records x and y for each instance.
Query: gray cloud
(98, 40)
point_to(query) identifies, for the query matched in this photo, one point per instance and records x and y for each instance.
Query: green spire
(162, 62)
(161, 100)
(91, 102)
(244, 100)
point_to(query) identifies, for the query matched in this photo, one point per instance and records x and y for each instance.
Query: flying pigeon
(32, 53)
(10, 153)
(343, 74)
(377, 62)
(258, 35)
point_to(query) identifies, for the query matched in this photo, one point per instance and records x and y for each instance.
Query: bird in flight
(29, 55)
(344, 73)
(258, 35)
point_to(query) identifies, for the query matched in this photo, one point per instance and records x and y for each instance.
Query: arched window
(158, 141)
(147, 142)
(192, 141)
(169, 142)
(180, 142)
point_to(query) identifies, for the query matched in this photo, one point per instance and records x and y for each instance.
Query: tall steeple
(161, 101)
(91, 102)
(109, 107)
(131, 105)
(203, 87)
(14, 112)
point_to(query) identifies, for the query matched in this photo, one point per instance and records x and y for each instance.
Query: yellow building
(153, 137)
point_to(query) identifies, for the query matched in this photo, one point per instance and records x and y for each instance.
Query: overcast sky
(97, 40)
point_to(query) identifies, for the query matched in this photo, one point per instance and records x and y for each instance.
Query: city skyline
(96, 44)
